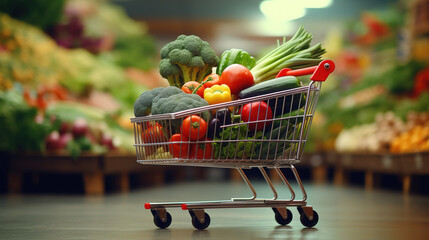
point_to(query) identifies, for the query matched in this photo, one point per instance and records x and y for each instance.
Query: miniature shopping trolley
(235, 142)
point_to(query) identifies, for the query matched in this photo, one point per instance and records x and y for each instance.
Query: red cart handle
(320, 72)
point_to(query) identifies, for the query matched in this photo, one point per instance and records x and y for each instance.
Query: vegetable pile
(388, 134)
(260, 129)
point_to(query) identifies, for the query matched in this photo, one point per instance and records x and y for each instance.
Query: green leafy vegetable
(20, 131)
(224, 148)
(232, 56)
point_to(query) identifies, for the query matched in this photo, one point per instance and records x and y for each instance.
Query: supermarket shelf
(92, 167)
(410, 163)
(420, 12)
(403, 165)
(95, 167)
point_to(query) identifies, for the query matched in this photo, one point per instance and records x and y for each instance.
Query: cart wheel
(279, 218)
(307, 222)
(159, 223)
(198, 225)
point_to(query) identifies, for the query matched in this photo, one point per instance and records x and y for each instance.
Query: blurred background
(70, 71)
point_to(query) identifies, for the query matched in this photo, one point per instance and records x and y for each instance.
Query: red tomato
(179, 146)
(237, 77)
(256, 111)
(215, 80)
(153, 133)
(201, 151)
(190, 86)
(194, 127)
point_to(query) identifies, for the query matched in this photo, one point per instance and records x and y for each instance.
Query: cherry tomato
(194, 127)
(190, 86)
(201, 151)
(215, 80)
(237, 77)
(179, 146)
(256, 111)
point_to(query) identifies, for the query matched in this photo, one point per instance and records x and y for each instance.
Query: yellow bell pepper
(217, 94)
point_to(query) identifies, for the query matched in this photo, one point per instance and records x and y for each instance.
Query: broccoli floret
(166, 92)
(165, 51)
(188, 58)
(170, 71)
(193, 44)
(179, 102)
(143, 104)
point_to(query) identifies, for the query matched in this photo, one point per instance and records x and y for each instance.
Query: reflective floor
(344, 212)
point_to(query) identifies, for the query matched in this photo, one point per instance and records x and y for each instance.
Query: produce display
(388, 134)
(254, 130)
(65, 86)
(31, 13)
(20, 130)
(379, 101)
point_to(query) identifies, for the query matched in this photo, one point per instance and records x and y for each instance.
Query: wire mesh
(267, 130)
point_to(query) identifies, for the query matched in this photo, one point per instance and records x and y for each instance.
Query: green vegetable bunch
(237, 142)
(400, 78)
(20, 132)
(227, 146)
(293, 54)
(188, 58)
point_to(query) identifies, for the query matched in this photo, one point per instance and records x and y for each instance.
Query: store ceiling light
(281, 10)
(314, 3)
(286, 10)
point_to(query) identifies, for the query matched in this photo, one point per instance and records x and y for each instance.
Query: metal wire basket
(275, 141)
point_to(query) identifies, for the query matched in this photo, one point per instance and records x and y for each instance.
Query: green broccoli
(179, 102)
(166, 92)
(188, 58)
(143, 104)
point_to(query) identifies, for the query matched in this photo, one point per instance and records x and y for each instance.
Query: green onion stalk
(294, 54)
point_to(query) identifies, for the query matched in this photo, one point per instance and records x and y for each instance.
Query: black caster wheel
(279, 218)
(307, 222)
(198, 225)
(162, 224)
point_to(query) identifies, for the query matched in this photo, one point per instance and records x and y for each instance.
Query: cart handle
(320, 72)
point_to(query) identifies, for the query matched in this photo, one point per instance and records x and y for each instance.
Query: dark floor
(345, 213)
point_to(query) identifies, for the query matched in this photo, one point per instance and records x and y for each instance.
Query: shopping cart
(239, 143)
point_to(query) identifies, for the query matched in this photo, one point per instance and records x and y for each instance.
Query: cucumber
(284, 104)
